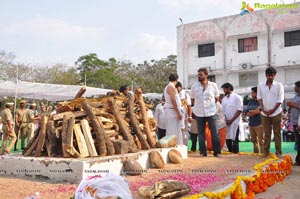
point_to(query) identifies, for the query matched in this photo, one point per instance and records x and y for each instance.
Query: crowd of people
(190, 116)
(22, 126)
(222, 114)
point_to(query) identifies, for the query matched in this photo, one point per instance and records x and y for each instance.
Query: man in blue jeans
(204, 95)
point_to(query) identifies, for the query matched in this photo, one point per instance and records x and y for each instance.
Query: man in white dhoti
(172, 108)
(232, 105)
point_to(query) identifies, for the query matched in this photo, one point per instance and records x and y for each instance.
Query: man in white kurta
(232, 105)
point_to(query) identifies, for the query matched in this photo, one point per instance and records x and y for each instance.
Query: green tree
(99, 73)
(56, 74)
(9, 68)
(153, 76)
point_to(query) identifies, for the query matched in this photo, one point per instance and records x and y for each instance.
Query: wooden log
(60, 116)
(68, 108)
(72, 151)
(32, 141)
(80, 92)
(104, 120)
(168, 141)
(102, 140)
(100, 111)
(58, 132)
(69, 134)
(29, 151)
(88, 138)
(111, 133)
(123, 128)
(121, 146)
(69, 148)
(135, 124)
(49, 111)
(32, 144)
(48, 147)
(52, 140)
(64, 136)
(108, 125)
(96, 104)
(42, 136)
(137, 142)
(151, 138)
(83, 150)
(116, 127)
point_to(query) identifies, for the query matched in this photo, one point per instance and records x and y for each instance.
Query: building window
(206, 50)
(248, 79)
(292, 38)
(247, 44)
(211, 78)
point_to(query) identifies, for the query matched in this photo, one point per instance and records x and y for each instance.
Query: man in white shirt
(159, 114)
(204, 95)
(270, 96)
(232, 105)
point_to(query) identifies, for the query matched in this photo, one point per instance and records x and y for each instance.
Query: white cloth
(185, 96)
(173, 124)
(194, 127)
(221, 122)
(271, 96)
(244, 131)
(205, 103)
(150, 113)
(160, 116)
(111, 185)
(230, 106)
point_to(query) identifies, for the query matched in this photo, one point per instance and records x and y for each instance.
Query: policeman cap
(9, 103)
(23, 102)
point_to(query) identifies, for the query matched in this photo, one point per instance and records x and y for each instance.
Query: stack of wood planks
(95, 127)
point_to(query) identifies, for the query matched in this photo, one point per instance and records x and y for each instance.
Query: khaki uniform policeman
(30, 118)
(8, 128)
(21, 124)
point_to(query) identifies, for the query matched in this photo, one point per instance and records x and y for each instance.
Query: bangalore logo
(246, 8)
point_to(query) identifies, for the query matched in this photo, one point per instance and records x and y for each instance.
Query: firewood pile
(95, 127)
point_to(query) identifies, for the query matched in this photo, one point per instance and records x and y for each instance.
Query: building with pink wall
(238, 48)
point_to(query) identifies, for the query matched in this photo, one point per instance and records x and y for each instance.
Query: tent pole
(16, 94)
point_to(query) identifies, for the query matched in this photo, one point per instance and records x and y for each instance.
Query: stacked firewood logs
(95, 127)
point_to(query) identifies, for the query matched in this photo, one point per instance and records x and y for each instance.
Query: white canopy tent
(50, 92)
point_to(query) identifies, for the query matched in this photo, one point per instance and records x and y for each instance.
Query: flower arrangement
(264, 178)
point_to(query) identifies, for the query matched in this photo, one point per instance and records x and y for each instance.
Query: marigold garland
(264, 178)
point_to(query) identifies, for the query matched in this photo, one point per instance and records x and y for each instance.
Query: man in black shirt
(255, 125)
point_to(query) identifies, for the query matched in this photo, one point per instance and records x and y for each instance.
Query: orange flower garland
(264, 178)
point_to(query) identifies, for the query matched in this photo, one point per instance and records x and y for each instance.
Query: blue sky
(52, 31)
